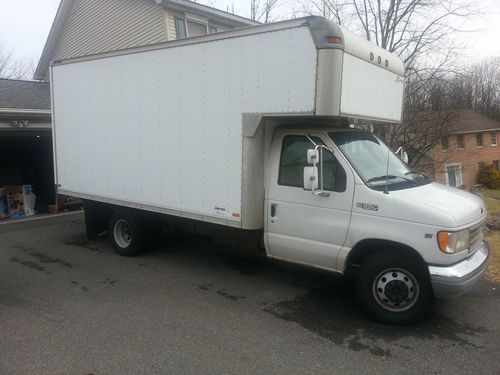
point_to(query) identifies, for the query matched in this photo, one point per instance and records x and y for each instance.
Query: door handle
(273, 209)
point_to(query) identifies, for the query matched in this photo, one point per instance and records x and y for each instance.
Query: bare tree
(336, 10)
(230, 9)
(477, 88)
(12, 67)
(484, 87)
(261, 10)
(208, 3)
(410, 28)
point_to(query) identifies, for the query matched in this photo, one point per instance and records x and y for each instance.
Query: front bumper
(455, 280)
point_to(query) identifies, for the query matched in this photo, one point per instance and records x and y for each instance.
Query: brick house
(472, 143)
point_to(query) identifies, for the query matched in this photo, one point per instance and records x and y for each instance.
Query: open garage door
(26, 159)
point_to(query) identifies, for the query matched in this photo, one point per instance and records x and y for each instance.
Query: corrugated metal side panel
(95, 26)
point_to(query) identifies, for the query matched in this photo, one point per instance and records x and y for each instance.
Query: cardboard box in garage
(4, 211)
(20, 200)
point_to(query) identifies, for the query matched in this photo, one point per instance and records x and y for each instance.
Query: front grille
(476, 237)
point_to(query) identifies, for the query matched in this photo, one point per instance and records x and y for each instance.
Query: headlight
(454, 242)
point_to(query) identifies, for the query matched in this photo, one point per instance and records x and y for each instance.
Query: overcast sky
(24, 25)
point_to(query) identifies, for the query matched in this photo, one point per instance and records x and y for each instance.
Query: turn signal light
(454, 242)
(443, 241)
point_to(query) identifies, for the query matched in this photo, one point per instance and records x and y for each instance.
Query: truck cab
(338, 199)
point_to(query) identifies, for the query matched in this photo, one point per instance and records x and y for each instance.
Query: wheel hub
(122, 233)
(395, 290)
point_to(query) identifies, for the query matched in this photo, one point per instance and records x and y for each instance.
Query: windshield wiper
(416, 173)
(389, 177)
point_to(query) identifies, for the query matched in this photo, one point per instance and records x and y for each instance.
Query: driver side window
(294, 158)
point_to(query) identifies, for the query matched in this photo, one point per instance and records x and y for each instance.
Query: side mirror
(310, 176)
(405, 157)
(312, 156)
(402, 155)
(312, 180)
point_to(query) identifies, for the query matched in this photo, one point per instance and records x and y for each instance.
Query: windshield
(368, 155)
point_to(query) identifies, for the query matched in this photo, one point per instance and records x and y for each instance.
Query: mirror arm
(320, 192)
(310, 140)
(321, 166)
(315, 177)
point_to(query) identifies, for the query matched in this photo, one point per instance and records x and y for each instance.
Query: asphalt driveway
(193, 306)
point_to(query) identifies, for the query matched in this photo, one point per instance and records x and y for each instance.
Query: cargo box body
(162, 128)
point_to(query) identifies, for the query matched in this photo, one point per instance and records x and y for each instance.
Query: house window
(479, 139)
(444, 143)
(493, 137)
(496, 163)
(186, 27)
(481, 165)
(180, 28)
(461, 141)
(453, 174)
(196, 29)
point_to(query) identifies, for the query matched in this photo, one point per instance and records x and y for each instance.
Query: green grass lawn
(492, 200)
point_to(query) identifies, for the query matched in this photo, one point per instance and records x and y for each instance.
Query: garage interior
(26, 159)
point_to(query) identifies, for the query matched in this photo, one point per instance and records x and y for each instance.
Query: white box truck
(250, 131)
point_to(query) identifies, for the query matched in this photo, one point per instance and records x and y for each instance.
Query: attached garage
(26, 157)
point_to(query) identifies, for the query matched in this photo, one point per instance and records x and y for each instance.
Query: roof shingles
(16, 94)
(468, 121)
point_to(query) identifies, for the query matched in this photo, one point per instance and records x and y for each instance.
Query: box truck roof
(326, 35)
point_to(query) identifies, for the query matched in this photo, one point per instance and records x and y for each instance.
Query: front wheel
(394, 288)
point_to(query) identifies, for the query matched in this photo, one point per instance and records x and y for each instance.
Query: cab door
(302, 227)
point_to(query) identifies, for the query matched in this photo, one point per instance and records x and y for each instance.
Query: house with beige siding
(80, 28)
(86, 27)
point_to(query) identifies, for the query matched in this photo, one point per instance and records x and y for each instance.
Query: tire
(394, 288)
(127, 233)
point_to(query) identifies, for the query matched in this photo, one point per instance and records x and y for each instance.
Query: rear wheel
(394, 288)
(127, 233)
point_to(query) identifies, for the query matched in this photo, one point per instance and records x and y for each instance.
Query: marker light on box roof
(334, 39)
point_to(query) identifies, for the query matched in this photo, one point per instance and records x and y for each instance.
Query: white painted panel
(370, 91)
(164, 128)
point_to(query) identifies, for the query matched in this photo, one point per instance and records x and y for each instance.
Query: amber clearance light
(334, 40)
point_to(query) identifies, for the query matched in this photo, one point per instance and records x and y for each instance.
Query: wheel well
(368, 247)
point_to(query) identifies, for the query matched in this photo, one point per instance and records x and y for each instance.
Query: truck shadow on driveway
(319, 302)
(333, 314)
(323, 304)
